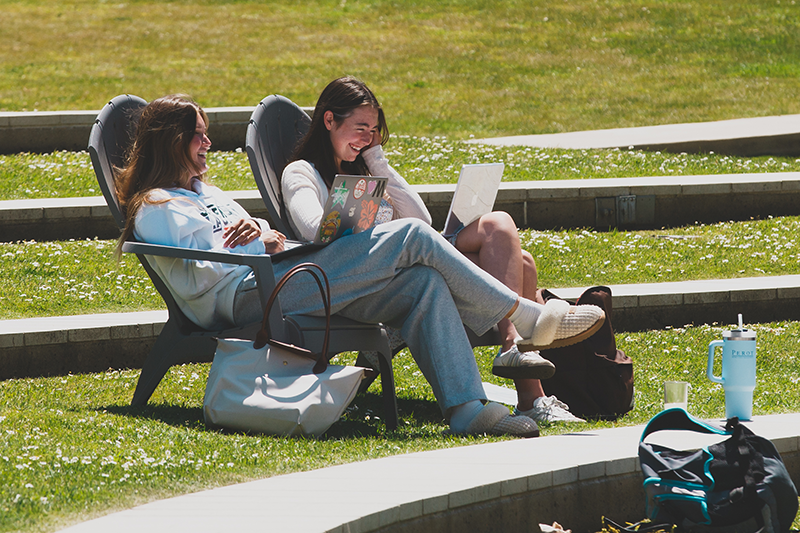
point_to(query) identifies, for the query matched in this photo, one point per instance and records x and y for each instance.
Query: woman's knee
(419, 233)
(499, 224)
(420, 226)
(499, 220)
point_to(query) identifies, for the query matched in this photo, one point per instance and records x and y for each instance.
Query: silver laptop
(474, 195)
(351, 207)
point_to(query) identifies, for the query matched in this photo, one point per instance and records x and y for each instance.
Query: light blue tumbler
(738, 370)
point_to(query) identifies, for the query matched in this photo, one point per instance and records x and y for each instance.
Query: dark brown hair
(159, 157)
(342, 96)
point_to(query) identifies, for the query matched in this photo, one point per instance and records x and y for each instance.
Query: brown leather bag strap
(264, 335)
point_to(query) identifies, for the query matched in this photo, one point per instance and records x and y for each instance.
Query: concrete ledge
(47, 131)
(656, 305)
(649, 202)
(53, 346)
(779, 135)
(509, 486)
(91, 343)
(79, 218)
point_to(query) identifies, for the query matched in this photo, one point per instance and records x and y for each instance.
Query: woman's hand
(273, 241)
(243, 232)
(539, 298)
(376, 140)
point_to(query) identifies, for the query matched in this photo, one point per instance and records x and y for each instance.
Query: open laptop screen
(474, 195)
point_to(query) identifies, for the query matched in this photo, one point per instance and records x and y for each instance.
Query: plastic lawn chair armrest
(261, 264)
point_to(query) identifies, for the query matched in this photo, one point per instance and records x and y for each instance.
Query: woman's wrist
(376, 161)
(373, 153)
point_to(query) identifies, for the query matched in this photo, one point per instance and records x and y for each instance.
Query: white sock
(463, 414)
(525, 316)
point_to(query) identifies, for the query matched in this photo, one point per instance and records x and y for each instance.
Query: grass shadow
(362, 418)
(172, 415)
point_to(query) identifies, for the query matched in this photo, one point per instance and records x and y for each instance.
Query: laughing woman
(347, 132)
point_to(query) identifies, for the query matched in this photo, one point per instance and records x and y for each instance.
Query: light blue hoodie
(196, 219)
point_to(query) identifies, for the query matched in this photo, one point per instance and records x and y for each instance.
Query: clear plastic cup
(676, 394)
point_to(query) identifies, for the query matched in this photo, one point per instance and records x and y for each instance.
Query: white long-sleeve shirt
(204, 290)
(305, 193)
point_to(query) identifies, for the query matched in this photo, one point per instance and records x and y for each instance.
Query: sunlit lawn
(420, 160)
(77, 277)
(455, 67)
(71, 447)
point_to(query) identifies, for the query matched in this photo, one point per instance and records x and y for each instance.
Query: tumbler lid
(739, 335)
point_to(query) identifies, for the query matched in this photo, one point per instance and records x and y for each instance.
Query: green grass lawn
(421, 160)
(456, 67)
(77, 277)
(71, 447)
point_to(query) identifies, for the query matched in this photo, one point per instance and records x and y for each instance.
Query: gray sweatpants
(405, 275)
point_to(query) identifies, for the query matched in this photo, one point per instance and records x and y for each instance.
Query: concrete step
(92, 343)
(575, 479)
(53, 346)
(626, 203)
(46, 131)
(78, 218)
(779, 135)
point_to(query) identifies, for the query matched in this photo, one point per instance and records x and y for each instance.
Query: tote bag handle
(264, 335)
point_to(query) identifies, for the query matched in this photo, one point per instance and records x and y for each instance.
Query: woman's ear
(327, 119)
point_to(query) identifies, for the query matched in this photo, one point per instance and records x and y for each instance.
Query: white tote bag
(270, 387)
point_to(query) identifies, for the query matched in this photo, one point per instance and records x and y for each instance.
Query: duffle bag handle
(678, 419)
(264, 335)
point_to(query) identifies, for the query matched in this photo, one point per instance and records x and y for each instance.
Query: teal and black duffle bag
(738, 485)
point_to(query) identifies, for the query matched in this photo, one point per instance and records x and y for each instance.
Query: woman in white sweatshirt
(400, 273)
(346, 135)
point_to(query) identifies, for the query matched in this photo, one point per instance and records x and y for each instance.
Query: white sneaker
(549, 409)
(514, 364)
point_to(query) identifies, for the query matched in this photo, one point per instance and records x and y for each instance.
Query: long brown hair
(342, 96)
(159, 157)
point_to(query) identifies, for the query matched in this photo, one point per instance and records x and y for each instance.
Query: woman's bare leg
(492, 242)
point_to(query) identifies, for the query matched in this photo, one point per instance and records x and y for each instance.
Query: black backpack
(594, 378)
(738, 485)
